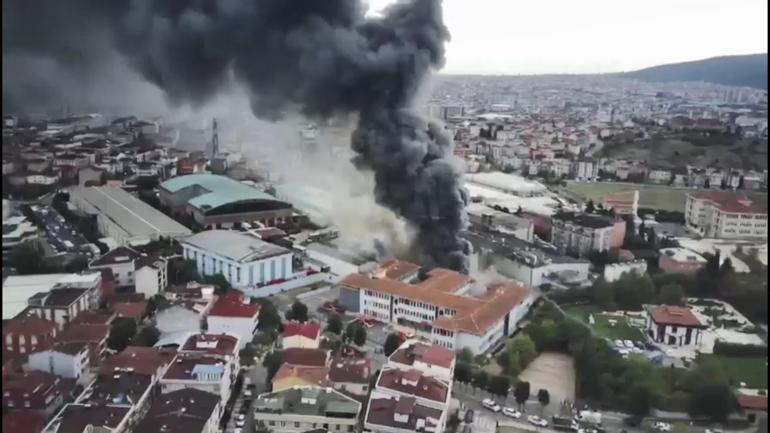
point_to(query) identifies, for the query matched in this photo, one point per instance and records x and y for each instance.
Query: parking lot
(62, 236)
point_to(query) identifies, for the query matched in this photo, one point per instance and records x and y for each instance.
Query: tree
(465, 355)
(146, 337)
(499, 385)
(392, 342)
(182, 271)
(298, 312)
(639, 400)
(122, 331)
(463, 372)
(26, 259)
(272, 362)
(602, 294)
(480, 379)
(524, 347)
(590, 207)
(269, 319)
(350, 331)
(509, 362)
(247, 354)
(521, 392)
(714, 399)
(543, 397)
(334, 324)
(78, 263)
(219, 281)
(671, 294)
(155, 304)
(360, 336)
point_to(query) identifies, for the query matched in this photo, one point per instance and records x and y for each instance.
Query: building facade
(725, 216)
(673, 325)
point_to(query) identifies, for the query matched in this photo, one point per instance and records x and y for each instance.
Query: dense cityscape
(490, 254)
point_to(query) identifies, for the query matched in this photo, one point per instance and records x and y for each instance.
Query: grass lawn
(581, 312)
(620, 331)
(651, 196)
(752, 370)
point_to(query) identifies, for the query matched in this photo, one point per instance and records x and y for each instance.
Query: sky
(595, 36)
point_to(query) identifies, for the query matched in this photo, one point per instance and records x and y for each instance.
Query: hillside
(748, 70)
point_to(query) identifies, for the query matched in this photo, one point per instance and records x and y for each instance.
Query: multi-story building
(93, 335)
(582, 234)
(233, 313)
(16, 231)
(660, 175)
(62, 305)
(199, 371)
(34, 390)
(301, 335)
(302, 409)
(183, 411)
(725, 216)
(68, 360)
(445, 307)
(673, 325)
(27, 334)
(623, 203)
(121, 261)
(680, 261)
(147, 274)
(244, 260)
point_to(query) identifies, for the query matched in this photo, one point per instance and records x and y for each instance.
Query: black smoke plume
(321, 58)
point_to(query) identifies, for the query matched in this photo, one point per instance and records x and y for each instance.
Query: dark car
(469, 416)
(632, 421)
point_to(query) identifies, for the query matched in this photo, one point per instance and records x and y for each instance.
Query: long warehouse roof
(135, 217)
(222, 190)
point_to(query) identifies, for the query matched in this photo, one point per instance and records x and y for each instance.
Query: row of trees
(634, 384)
(499, 385)
(354, 331)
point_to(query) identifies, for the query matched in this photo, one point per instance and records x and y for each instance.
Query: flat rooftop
(310, 401)
(237, 246)
(135, 217)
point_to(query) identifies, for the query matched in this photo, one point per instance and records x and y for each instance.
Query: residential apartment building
(33, 390)
(204, 372)
(680, 261)
(582, 234)
(623, 203)
(233, 313)
(301, 335)
(725, 216)
(62, 305)
(183, 411)
(445, 307)
(27, 334)
(147, 274)
(303, 409)
(68, 360)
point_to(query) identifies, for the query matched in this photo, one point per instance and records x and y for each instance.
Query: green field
(581, 312)
(751, 370)
(602, 327)
(651, 196)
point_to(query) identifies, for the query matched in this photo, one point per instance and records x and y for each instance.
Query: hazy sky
(585, 36)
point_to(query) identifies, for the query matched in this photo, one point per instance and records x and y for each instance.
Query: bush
(731, 349)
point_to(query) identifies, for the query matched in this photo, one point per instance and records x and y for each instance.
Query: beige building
(725, 216)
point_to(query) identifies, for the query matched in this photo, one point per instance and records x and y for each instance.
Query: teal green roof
(222, 190)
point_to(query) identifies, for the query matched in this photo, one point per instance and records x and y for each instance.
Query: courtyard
(554, 372)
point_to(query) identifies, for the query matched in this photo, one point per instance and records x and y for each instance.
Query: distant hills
(747, 70)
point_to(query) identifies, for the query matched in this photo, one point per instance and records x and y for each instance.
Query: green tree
(639, 400)
(298, 312)
(590, 207)
(499, 385)
(465, 355)
(603, 294)
(510, 363)
(272, 362)
(182, 271)
(671, 294)
(219, 281)
(122, 331)
(392, 342)
(334, 324)
(146, 337)
(524, 347)
(521, 392)
(360, 336)
(247, 354)
(544, 397)
(27, 259)
(269, 319)
(463, 372)
(480, 379)
(713, 399)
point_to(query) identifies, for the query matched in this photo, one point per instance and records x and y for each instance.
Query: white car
(241, 417)
(491, 405)
(240, 423)
(662, 426)
(238, 430)
(629, 344)
(247, 393)
(536, 420)
(513, 413)
(619, 344)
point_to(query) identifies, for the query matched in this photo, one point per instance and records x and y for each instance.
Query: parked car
(619, 344)
(662, 426)
(247, 393)
(629, 344)
(469, 416)
(513, 413)
(240, 423)
(632, 421)
(536, 420)
(491, 405)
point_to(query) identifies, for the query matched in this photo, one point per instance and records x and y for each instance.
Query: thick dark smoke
(320, 57)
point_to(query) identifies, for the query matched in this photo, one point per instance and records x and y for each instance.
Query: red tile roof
(413, 382)
(30, 382)
(144, 360)
(437, 355)
(397, 269)
(308, 357)
(673, 315)
(382, 410)
(95, 317)
(731, 202)
(350, 370)
(234, 304)
(30, 325)
(311, 374)
(132, 310)
(218, 344)
(23, 421)
(752, 402)
(83, 332)
(307, 330)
